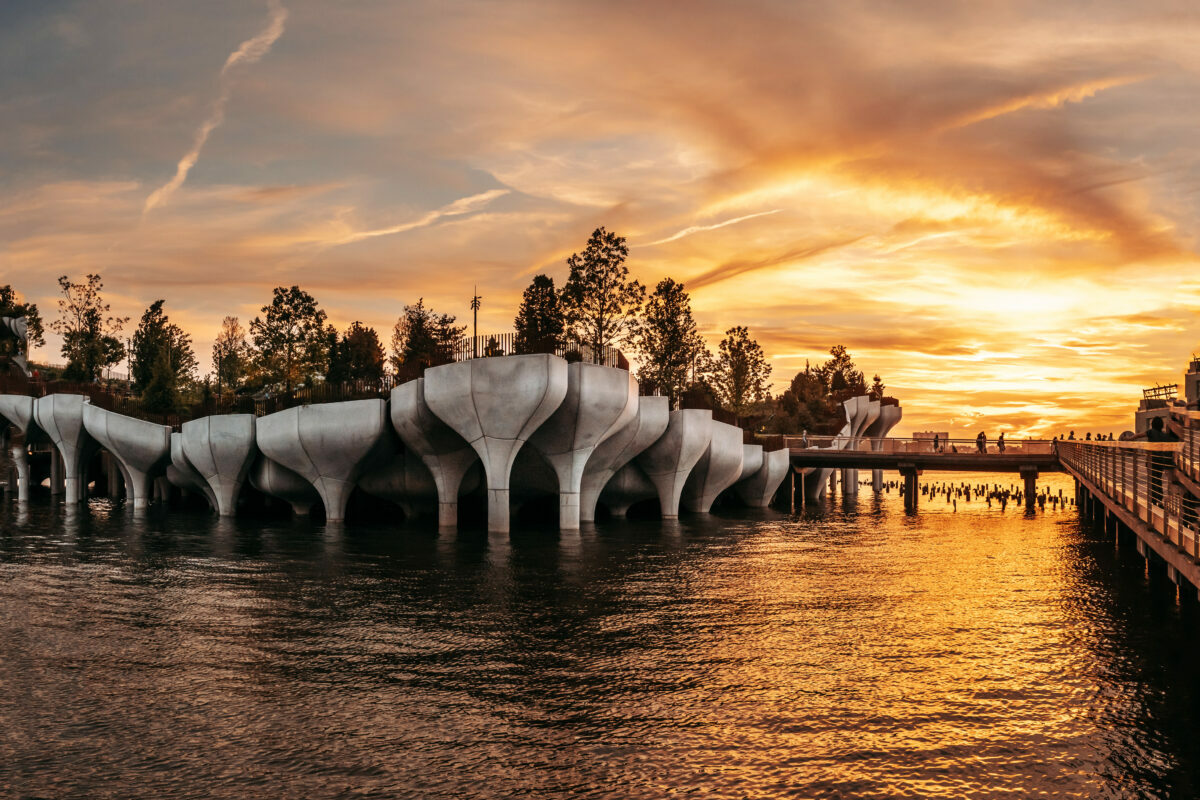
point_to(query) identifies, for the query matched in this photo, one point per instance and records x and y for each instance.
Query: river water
(849, 650)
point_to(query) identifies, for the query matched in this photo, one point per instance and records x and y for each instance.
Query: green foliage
(161, 392)
(843, 379)
(290, 343)
(423, 338)
(600, 301)
(232, 358)
(11, 305)
(156, 334)
(741, 373)
(540, 322)
(667, 340)
(357, 356)
(88, 331)
(813, 400)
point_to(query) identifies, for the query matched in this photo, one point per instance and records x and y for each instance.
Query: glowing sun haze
(993, 205)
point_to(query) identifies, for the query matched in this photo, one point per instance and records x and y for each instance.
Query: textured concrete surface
(142, 449)
(272, 478)
(60, 416)
(20, 459)
(599, 402)
(407, 482)
(752, 459)
(650, 422)
(446, 454)
(757, 488)
(668, 462)
(719, 468)
(18, 410)
(181, 473)
(222, 448)
(327, 444)
(496, 404)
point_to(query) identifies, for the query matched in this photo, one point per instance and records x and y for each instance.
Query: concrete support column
(833, 480)
(912, 490)
(20, 459)
(1030, 475)
(877, 480)
(849, 481)
(114, 479)
(57, 479)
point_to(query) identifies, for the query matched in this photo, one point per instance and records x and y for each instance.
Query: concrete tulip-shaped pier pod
(496, 404)
(653, 414)
(142, 449)
(627, 486)
(271, 477)
(600, 401)
(182, 474)
(719, 468)
(221, 448)
(328, 445)
(752, 459)
(757, 488)
(889, 415)
(668, 462)
(407, 482)
(445, 453)
(18, 410)
(60, 416)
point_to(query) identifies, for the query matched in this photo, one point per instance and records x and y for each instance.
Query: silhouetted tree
(156, 333)
(231, 356)
(540, 321)
(667, 340)
(843, 378)
(741, 374)
(600, 300)
(11, 305)
(160, 394)
(877, 388)
(357, 356)
(423, 338)
(88, 331)
(289, 340)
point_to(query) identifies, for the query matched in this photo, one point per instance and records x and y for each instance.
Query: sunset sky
(992, 205)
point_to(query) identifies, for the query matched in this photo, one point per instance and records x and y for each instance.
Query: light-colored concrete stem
(614, 453)
(668, 462)
(221, 448)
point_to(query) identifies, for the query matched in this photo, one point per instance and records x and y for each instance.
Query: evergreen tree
(540, 323)
(423, 338)
(741, 374)
(600, 300)
(877, 388)
(161, 392)
(290, 339)
(357, 356)
(843, 378)
(667, 340)
(155, 333)
(89, 332)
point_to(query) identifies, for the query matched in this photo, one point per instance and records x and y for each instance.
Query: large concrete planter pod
(328, 445)
(668, 462)
(18, 410)
(627, 486)
(274, 479)
(222, 448)
(889, 415)
(496, 404)
(182, 474)
(757, 488)
(752, 458)
(446, 454)
(60, 416)
(653, 414)
(719, 468)
(142, 449)
(600, 401)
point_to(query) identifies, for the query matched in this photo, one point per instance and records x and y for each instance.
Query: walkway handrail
(898, 444)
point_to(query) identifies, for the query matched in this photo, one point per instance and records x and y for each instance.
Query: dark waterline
(849, 651)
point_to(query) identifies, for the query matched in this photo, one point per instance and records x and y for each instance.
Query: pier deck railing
(1138, 477)
(891, 444)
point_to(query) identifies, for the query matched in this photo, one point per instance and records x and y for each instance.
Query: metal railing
(505, 344)
(890, 444)
(1139, 476)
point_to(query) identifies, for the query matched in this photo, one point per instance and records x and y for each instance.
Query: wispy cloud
(464, 205)
(248, 52)
(698, 228)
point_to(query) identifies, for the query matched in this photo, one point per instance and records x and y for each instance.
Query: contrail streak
(462, 206)
(699, 228)
(248, 52)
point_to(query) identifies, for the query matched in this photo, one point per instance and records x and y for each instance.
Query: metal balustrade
(948, 447)
(1139, 477)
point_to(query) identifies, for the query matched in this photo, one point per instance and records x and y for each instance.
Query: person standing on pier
(981, 442)
(1000, 442)
(935, 443)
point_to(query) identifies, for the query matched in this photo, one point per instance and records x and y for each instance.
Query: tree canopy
(667, 340)
(423, 338)
(540, 322)
(356, 356)
(741, 371)
(11, 305)
(231, 355)
(88, 330)
(813, 400)
(156, 334)
(599, 299)
(289, 339)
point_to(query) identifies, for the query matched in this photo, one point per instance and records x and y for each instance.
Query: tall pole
(475, 323)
